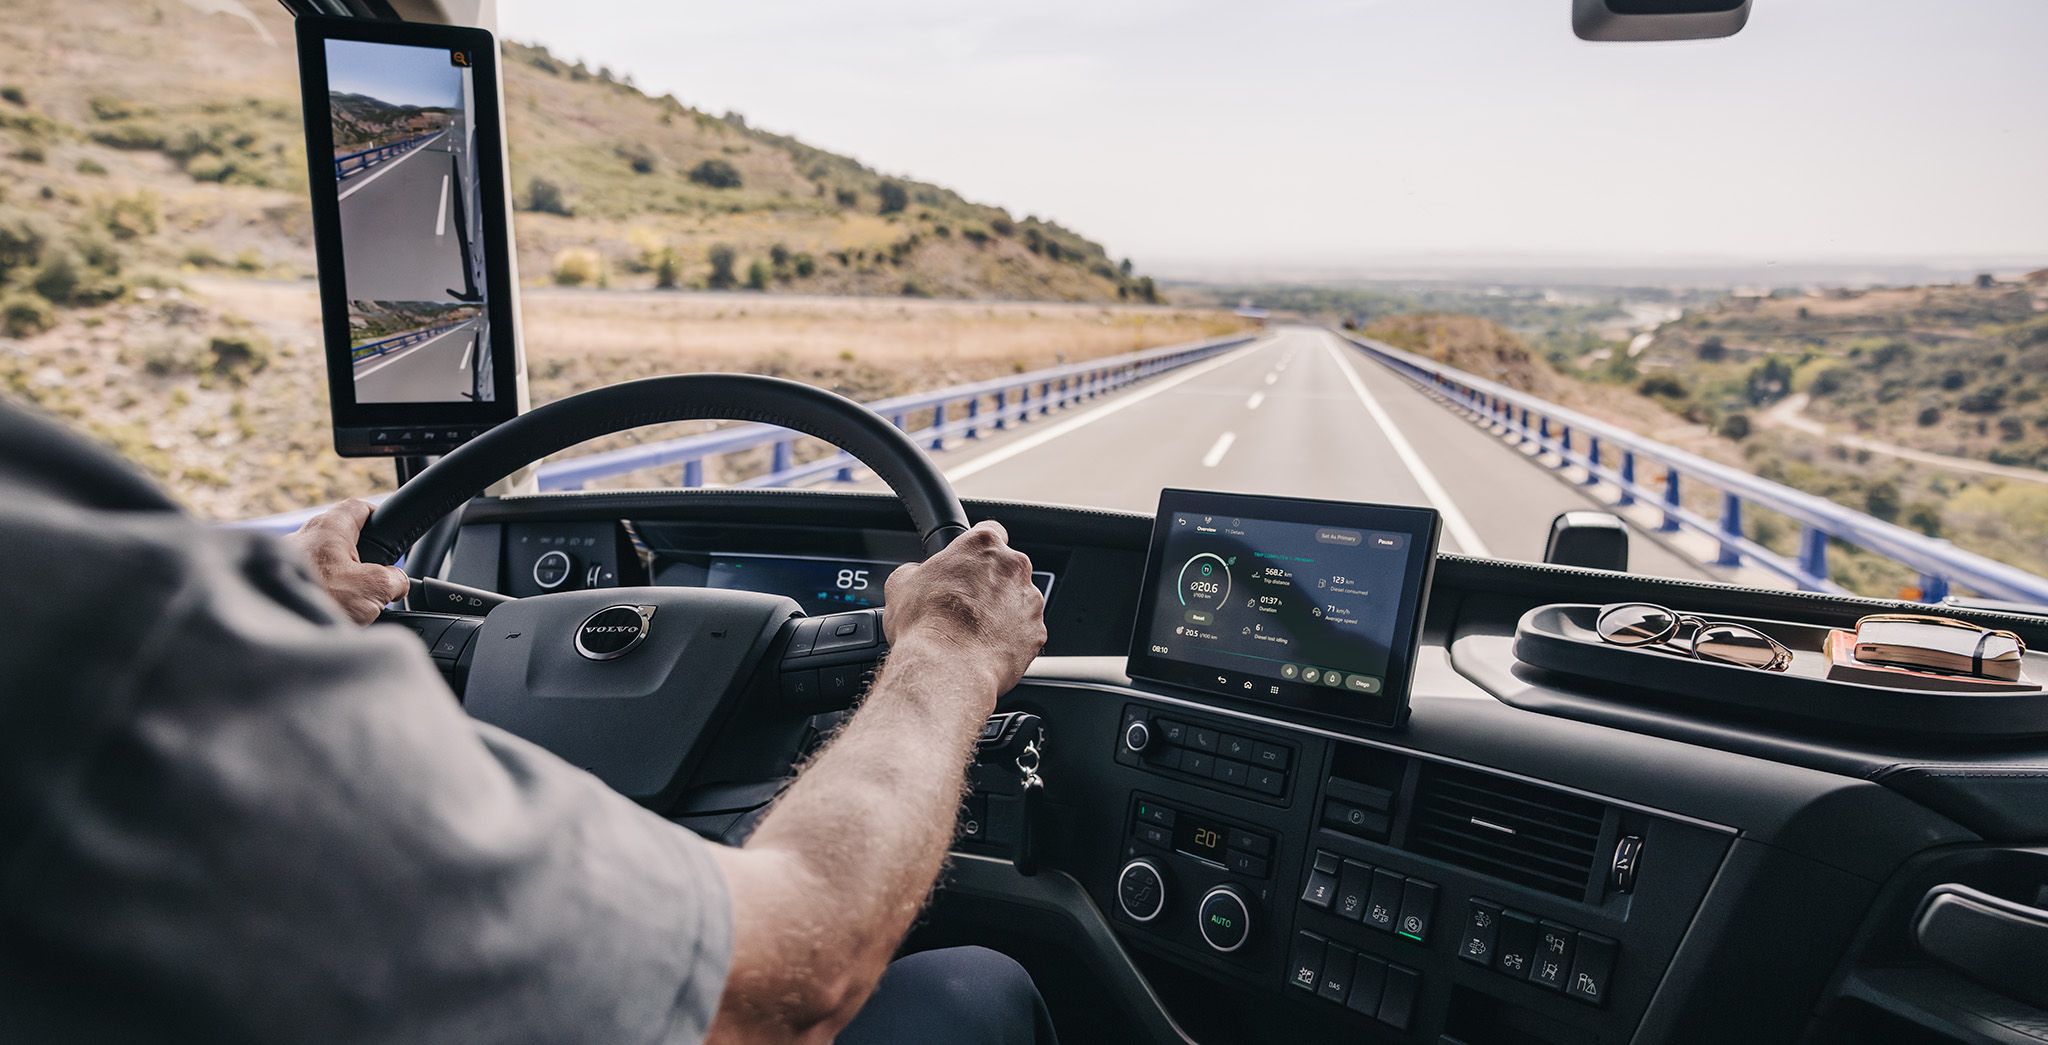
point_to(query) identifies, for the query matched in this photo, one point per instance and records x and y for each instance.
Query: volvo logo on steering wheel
(614, 631)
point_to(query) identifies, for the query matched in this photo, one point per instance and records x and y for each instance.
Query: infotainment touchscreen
(1315, 605)
(408, 205)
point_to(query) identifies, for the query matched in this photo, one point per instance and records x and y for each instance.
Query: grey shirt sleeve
(258, 822)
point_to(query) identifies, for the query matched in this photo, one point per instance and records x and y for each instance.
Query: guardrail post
(973, 411)
(897, 420)
(1002, 409)
(1933, 588)
(1813, 553)
(1045, 397)
(1731, 531)
(938, 423)
(693, 473)
(844, 474)
(1023, 403)
(1063, 393)
(1542, 432)
(1628, 479)
(1564, 453)
(1670, 501)
(1593, 461)
(778, 459)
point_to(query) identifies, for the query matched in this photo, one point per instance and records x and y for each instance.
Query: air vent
(1516, 832)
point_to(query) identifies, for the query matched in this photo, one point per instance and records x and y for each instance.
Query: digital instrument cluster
(1312, 604)
(820, 585)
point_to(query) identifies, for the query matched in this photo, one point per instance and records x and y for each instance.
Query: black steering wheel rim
(450, 482)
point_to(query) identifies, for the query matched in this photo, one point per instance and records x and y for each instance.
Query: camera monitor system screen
(1313, 605)
(407, 178)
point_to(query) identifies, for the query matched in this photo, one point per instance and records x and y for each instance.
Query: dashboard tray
(1560, 638)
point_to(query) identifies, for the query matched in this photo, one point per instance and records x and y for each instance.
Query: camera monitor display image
(403, 127)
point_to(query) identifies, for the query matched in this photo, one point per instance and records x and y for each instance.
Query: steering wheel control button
(1224, 919)
(1482, 933)
(800, 687)
(801, 641)
(842, 631)
(552, 569)
(1591, 968)
(1305, 963)
(429, 628)
(459, 632)
(613, 632)
(1141, 890)
(1418, 903)
(1137, 736)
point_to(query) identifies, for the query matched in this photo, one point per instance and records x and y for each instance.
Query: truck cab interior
(1286, 770)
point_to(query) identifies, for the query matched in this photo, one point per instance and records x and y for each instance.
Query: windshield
(1777, 301)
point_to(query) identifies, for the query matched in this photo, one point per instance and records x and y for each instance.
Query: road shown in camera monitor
(411, 220)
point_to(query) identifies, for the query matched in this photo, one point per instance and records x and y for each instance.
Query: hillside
(200, 112)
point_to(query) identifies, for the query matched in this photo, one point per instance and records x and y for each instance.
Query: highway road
(437, 370)
(1296, 413)
(399, 228)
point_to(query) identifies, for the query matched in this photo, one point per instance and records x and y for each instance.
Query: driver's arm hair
(828, 886)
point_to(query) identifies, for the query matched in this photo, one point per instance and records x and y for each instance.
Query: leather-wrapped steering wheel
(466, 472)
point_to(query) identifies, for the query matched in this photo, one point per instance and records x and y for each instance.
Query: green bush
(578, 267)
(804, 265)
(13, 94)
(847, 198)
(758, 275)
(721, 258)
(668, 269)
(25, 315)
(716, 174)
(1735, 426)
(546, 197)
(1663, 386)
(91, 167)
(239, 354)
(894, 197)
(31, 153)
(638, 157)
(914, 289)
(108, 107)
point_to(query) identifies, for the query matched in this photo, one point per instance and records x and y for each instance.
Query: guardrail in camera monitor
(382, 346)
(963, 411)
(362, 160)
(1614, 455)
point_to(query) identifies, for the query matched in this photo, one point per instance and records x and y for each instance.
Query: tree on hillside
(757, 275)
(894, 197)
(721, 258)
(716, 174)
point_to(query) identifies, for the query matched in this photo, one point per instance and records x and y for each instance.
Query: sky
(391, 73)
(1193, 134)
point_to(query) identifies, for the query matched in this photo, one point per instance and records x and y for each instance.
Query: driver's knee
(956, 994)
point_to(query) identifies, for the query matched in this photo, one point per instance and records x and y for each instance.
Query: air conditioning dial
(1141, 890)
(1224, 919)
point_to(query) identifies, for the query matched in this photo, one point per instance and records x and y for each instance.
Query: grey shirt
(226, 813)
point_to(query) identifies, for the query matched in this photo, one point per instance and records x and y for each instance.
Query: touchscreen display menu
(1312, 604)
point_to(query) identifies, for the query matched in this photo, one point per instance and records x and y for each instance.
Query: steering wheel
(630, 683)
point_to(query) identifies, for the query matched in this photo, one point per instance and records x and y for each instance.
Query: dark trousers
(954, 995)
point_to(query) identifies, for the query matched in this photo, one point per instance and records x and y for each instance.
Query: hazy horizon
(1322, 133)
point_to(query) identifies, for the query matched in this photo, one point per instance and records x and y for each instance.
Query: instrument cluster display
(819, 585)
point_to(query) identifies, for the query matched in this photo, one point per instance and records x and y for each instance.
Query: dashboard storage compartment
(1560, 638)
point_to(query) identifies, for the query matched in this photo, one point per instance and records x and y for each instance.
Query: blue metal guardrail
(1610, 454)
(961, 410)
(358, 162)
(373, 349)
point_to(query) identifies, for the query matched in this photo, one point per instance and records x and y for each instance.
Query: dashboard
(1516, 859)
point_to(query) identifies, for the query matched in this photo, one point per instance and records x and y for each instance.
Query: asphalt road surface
(1296, 413)
(437, 370)
(399, 228)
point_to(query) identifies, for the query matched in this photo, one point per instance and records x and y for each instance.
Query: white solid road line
(374, 175)
(1215, 455)
(404, 352)
(466, 350)
(441, 211)
(1046, 435)
(1454, 520)
(1256, 399)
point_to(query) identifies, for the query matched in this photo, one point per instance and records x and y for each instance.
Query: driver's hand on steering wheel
(328, 542)
(975, 600)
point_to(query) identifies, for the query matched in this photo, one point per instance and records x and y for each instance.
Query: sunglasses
(1638, 624)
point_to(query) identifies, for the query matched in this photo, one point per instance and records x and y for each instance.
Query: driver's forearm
(837, 871)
